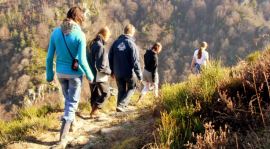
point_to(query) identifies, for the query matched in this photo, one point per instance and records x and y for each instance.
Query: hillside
(233, 29)
(222, 108)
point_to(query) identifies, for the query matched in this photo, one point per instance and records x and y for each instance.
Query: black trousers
(126, 88)
(100, 92)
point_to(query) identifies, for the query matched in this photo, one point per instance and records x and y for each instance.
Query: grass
(253, 57)
(28, 121)
(128, 143)
(182, 122)
(183, 101)
(218, 94)
(36, 119)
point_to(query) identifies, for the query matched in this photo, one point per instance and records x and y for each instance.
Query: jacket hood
(99, 38)
(68, 26)
(125, 36)
(151, 51)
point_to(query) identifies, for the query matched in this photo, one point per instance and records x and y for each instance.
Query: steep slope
(220, 107)
(232, 28)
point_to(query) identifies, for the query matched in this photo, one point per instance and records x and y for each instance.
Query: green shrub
(253, 56)
(210, 79)
(33, 112)
(183, 100)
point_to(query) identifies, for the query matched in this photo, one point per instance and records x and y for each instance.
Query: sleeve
(83, 60)
(135, 60)
(88, 54)
(111, 58)
(101, 59)
(49, 60)
(195, 54)
(98, 57)
(155, 60)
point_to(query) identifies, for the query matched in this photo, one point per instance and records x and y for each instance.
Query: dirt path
(131, 129)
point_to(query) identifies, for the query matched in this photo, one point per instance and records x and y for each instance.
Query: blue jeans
(126, 88)
(71, 88)
(197, 68)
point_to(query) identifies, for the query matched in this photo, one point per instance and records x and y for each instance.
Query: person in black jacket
(150, 73)
(98, 61)
(124, 63)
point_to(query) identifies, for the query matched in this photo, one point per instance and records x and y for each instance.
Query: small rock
(111, 133)
(26, 52)
(105, 131)
(25, 62)
(79, 141)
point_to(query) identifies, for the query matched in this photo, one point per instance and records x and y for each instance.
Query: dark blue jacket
(97, 57)
(124, 58)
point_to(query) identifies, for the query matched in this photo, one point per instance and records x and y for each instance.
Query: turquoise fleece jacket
(76, 42)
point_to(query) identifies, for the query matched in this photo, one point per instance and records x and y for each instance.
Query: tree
(163, 10)
(131, 8)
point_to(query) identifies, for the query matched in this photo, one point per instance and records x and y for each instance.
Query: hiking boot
(64, 132)
(94, 110)
(63, 141)
(73, 126)
(61, 144)
(99, 115)
(120, 109)
(94, 113)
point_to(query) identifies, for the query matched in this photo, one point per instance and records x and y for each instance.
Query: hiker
(124, 63)
(69, 43)
(150, 73)
(98, 61)
(200, 58)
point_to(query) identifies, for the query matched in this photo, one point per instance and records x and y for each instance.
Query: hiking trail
(131, 129)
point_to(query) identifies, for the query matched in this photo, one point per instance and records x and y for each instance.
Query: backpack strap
(67, 46)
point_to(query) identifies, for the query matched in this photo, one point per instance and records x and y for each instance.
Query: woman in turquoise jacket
(69, 43)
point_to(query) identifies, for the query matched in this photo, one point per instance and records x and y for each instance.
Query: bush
(184, 100)
(237, 97)
(253, 56)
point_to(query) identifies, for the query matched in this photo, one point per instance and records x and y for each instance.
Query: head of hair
(129, 29)
(203, 46)
(157, 47)
(104, 32)
(76, 14)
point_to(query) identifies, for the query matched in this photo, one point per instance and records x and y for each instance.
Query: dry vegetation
(237, 97)
(219, 108)
(232, 28)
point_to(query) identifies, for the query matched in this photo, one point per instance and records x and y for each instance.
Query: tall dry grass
(235, 99)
